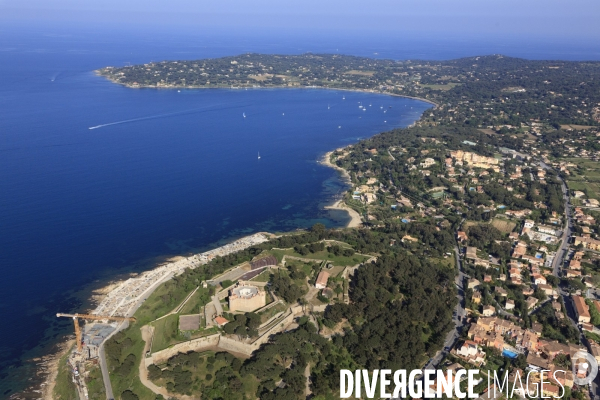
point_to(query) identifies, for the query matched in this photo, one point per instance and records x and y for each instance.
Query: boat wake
(215, 107)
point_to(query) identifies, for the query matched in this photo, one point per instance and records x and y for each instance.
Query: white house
(547, 229)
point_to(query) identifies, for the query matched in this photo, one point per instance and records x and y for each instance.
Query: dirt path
(307, 391)
(143, 372)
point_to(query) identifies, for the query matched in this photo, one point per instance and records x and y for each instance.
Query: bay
(163, 173)
(168, 172)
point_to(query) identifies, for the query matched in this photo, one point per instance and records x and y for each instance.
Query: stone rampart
(193, 345)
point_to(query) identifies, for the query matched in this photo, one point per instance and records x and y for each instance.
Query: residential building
(322, 278)
(488, 311)
(586, 242)
(471, 252)
(472, 283)
(531, 302)
(581, 308)
(461, 236)
(471, 353)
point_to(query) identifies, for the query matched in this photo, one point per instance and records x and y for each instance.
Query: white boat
(259, 155)
(244, 114)
(343, 97)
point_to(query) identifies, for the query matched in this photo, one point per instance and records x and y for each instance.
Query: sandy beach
(355, 219)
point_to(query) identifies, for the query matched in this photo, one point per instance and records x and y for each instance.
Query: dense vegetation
(399, 311)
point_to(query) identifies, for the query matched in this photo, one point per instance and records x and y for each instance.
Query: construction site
(115, 311)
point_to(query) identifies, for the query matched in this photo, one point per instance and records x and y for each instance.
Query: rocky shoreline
(101, 298)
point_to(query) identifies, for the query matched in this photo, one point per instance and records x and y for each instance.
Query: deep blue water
(80, 205)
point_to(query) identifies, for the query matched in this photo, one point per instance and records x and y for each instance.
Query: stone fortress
(245, 298)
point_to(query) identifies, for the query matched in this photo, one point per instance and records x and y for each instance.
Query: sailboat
(244, 114)
(259, 155)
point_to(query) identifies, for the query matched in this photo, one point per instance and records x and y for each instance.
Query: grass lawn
(302, 266)
(587, 178)
(590, 188)
(467, 224)
(448, 262)
(155, 306)
(335, 271)
(194, 304)
(503, 225)
(325, 255)
(265, 315)
(64, 388)
(262, 277)
(165, 332)
(95, 384)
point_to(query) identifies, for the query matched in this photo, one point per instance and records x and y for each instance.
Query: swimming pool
(509, 354)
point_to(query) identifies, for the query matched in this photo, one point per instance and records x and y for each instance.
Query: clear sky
(568, 19)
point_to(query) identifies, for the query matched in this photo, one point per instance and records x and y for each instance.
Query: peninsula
(476, 246)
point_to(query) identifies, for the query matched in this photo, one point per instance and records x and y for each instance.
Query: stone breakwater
(129, 293)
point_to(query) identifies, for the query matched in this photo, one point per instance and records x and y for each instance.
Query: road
(120, 327)
(232, 275)
(458, 317)
(556, 265)
(561, 252)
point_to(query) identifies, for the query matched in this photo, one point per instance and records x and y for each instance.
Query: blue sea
(166, 172)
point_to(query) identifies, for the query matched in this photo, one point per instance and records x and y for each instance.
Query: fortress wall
(272, 304)
(253, 283)
(225, 292)
(320, 308)
(279, 326)
(222, 342)
(234, 346)
(192, 345)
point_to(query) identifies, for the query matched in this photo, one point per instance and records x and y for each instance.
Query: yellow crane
(89, 316)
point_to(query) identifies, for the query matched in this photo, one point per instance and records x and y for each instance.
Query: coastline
(109, 300)
(106, 294)
(355, 218)
(50, 363)
(175, 87)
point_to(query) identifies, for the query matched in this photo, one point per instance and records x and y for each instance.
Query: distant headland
(453, 86)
